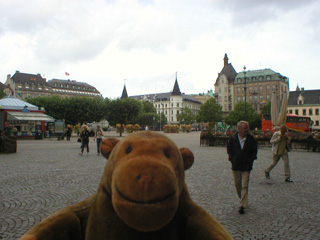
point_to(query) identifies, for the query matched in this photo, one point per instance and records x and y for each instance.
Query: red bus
(294, 122)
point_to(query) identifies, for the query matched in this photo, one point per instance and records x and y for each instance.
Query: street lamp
(245, 93)
(161, 105)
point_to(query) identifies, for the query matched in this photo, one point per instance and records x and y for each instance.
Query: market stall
(24, 119)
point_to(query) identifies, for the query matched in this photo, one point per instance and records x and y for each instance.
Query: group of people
(242, 151)
(84, 136)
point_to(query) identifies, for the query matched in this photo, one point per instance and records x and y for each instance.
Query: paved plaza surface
(47, 175)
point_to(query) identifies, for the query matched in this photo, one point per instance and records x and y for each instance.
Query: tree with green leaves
(186, 116)
(210, 112)
(124, 111)
(2, 94)
(73, 110)
(266, 109)
(238, 114)
(148, 116)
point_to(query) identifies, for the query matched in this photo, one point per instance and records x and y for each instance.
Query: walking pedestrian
(98, 138)
(242, 151)
(281, 145)
(85, 133)
(69, 132)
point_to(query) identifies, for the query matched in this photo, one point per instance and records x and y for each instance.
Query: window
(177, 104)
(242, 99)
(261, 98)
(177, 111)
(310, 112)
(260, 88)
(250, 89)
(317, 123)
(239, 99)
(256, 98)
(317, 111)
(304, 112)
(239, 80)
(268, 97)
(268, 88)
(290, 111)
(219, 90)
(238, 90)
(255, 88)
(250, 98)
(273, 87)
(225, 98)
(300, 102)
(260, 78)
(296, 111)
(225, 89)
(268, 77)
(253, 79)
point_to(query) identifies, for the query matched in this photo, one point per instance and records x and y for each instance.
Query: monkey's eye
(128, 149)
(166, 153)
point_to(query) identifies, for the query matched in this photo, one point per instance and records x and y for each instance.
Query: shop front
(22, 119)
(28, 124)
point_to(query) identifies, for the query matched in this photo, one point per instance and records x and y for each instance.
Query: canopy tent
(279, 116)
(29, 116)
(14, 103)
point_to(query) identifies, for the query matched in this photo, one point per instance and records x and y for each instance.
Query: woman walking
(85, 133)
(98, 137)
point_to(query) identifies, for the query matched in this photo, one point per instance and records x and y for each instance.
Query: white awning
(29, 116)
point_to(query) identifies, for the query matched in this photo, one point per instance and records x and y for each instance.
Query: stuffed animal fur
(142, 195)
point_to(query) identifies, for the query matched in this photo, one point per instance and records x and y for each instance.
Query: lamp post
(161, 104)
(245, 93)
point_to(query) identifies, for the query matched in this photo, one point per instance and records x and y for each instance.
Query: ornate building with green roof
(253, 86)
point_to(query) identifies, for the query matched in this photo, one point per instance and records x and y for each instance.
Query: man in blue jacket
(242, 151)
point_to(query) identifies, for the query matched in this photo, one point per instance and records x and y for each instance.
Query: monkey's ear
(188, 158)
(107, 145)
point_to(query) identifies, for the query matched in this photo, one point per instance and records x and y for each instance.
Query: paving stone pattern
(45, 176)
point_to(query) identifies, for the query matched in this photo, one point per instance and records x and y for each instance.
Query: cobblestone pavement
(45, 176)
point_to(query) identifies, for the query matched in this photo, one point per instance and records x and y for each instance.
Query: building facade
(260, 84)
(170, 103)
(305, 103)
(24, 85)
(253, 86)
(223, 86)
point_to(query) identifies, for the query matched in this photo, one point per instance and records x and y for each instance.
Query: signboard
(59, 127)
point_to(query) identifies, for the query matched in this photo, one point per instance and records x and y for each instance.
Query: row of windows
(32, 87)
(267, 87)
(305, 111)
(75, 92)
(166, 112)
(73, 87)
(253, 79)
(254, 98)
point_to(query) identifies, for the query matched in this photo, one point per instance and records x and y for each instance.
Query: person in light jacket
(281, 145)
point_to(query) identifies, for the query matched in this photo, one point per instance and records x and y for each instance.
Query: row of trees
(211, 112)
(125, 111)
(84, 109)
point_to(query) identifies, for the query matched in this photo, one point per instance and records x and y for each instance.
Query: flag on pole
(67, 74)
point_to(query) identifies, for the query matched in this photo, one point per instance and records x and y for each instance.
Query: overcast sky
(144, 43)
